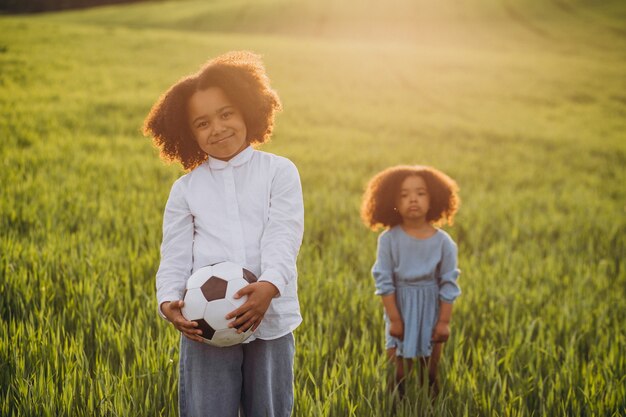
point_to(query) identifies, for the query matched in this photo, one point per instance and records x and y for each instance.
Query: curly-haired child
(234, 204)
(416, 264)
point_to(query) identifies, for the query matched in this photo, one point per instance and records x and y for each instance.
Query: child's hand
(396, 329)
(171, 310)
(250, 314)
(441, 332)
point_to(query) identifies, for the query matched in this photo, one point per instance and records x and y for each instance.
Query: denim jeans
(250, 380)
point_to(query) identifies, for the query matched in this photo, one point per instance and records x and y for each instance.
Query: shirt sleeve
(176, 248)
(449, 272)
(382, 271)
(282, 236)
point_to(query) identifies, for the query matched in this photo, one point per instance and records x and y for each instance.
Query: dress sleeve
(176, 247)
(282, 236)
(382, 271)
(449, 272)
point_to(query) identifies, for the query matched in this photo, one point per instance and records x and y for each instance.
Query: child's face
(413, 201)
(217, 125)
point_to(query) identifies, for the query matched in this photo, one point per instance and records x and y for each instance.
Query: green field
(522, 102)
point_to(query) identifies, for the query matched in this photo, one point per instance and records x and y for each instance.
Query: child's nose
(218, 127)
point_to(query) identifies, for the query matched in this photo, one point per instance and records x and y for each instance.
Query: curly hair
(241, 76)
(379, 199)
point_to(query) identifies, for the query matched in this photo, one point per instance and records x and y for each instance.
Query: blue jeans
(252, 380)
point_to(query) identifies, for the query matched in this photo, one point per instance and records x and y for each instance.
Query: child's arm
(441, 332)
(280, 244)
(396, 325)
(176, 261)
(385, 287)
(449, 290)
(282, 236)
(176, 247)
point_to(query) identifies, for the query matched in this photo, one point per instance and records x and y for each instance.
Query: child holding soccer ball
(416, 264)
(234, 204)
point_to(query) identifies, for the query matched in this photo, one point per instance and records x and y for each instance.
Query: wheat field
(523, 103)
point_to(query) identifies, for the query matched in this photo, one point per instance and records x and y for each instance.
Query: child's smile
(217, 125)
(221, 140)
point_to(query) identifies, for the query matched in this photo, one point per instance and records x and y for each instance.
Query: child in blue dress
(416, 264)
(234, 204)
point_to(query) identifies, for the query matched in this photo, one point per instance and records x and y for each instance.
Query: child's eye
(202, 125)
(226, 115)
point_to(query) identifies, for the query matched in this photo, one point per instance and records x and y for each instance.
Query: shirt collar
(238, 160)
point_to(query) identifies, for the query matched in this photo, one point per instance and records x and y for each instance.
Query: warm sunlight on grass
(522, 102)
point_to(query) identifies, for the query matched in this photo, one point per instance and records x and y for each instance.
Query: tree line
(37, 6)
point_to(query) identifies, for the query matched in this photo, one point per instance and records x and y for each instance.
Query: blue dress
(420, 272)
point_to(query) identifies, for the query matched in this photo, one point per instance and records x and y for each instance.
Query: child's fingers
(244, 310)
(245, 321)
(244, 291)
(186, 326)
(237, 312)
(439, 338)
(193, 337)
(251, 324)
(193, 334)
(257, 324)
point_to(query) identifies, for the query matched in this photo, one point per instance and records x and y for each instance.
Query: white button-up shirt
(249, 211)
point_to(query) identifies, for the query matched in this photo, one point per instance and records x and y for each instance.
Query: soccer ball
(209, 298)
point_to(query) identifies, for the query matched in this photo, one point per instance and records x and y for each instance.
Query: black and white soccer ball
(209, 298)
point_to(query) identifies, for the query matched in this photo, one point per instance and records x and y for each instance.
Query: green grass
(523, 103)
